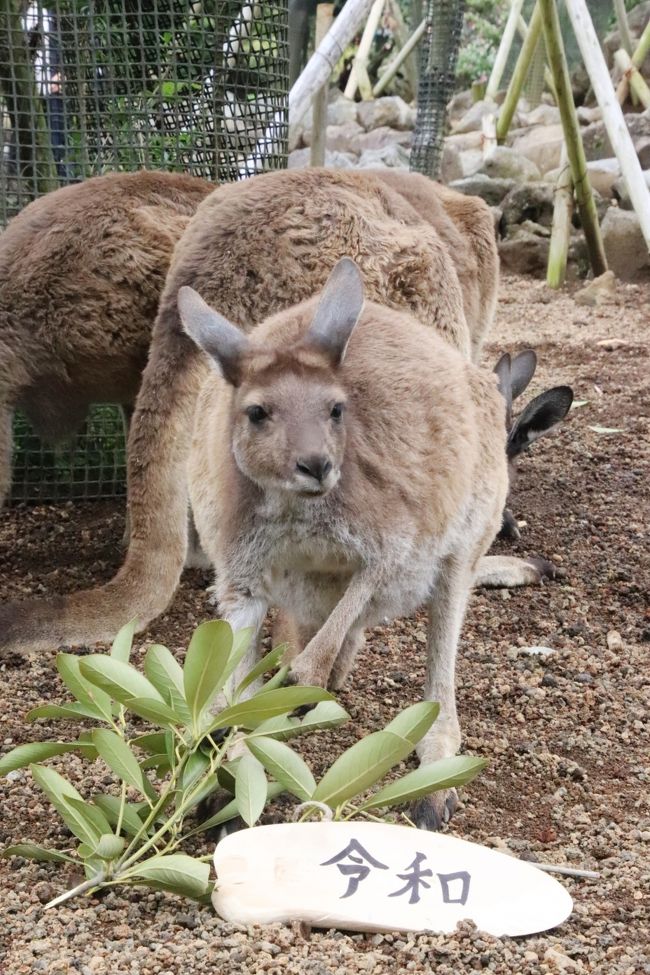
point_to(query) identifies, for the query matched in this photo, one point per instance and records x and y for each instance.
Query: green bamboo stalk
(573, 139)
(561, 231)
(635, 79)
(638, 58)
(520, 74)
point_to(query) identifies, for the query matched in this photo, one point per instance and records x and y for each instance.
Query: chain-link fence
(91, 86)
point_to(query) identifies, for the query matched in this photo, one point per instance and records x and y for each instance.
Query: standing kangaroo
(347, 465)
(81, 272)
(254, 248)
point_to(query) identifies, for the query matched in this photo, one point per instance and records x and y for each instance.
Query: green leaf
(361, 766)
(110, 806)
(38, 751)
(447, 773)
(71, 712)
(268, 704)
(177, 873)
(205, 665)
(119, 679)
(231, 810)
(278, 679)
(86, 693)
(121, 648)
(195, 767)
(153, 710)
(119, 757)
(32, 852)
(159, 762)
(326, 714)
(92, 813)
(69, 805)
(226, 777)
(269, 662)
(153, 744)
(414, 722)
(166, 675)
(251, 789)
(284, 765)
(109, 847)
(240, 644)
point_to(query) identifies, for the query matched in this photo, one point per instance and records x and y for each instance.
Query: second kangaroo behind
(347, 465)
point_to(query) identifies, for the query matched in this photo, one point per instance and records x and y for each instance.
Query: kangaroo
(255, 248)
(81, 272)
(347, 465)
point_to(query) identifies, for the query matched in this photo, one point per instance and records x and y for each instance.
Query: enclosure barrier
(124, 85)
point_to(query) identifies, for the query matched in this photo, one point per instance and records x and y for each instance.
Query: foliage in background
(133, 834)
(482, 30)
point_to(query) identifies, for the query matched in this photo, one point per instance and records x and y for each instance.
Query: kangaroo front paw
(431, 812)
(544, 569)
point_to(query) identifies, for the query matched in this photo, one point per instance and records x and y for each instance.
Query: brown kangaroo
(254, 248)
(81, 272)
(348, 465)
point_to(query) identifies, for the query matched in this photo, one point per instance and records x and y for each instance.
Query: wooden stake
(623, 29)
(635, 79)
(613, 118)
(399, 59)
(638, 58)
(561, 232)
(324, 17)
(359, 73)
(520, 74)
(503, 51)
(573, 139)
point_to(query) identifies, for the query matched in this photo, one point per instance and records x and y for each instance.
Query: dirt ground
(566, 735)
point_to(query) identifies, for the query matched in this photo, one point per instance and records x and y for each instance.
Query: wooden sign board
(379, 877)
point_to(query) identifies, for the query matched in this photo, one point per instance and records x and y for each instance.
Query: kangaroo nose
(316, 467)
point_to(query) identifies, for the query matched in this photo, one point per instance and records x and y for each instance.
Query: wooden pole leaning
(573, 139)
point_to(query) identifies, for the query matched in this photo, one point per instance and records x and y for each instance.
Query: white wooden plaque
(379, 877)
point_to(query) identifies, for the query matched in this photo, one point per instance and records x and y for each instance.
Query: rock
(541, 115)
(530, 201)
(300, 159)
(389, 157)
(459, 105)
(614, 640)
(491, 190)
(524, 252)
(603, 173)
(598, 291)
(535, 228)
(611, 345)
(588, 115)
(341, 109)
(473, 117)
(451, 167)
(620, 190)
(338, 138)
(542, 144)
(598, 146)
(471, 161)
(465, 140)
(558, 960)
(379, 138)
(625, 247)
(391, 111)
(505, 163)
(537, 651)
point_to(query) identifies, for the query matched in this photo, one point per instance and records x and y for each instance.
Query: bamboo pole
(635, 79)
(613, 118)
(324, 17)
(561, 230)
(520, 73)
(572, 137)
(359, 73)
(638, 58)
(522, 30)
(503, 51)
(399, 59)
(623, 28)
(402, 39)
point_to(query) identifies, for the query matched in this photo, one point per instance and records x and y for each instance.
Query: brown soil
(566, 736)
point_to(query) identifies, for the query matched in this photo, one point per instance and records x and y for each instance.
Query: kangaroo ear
(338, 311)
(219, 338)
(502, 372)
(522, 371)
(541, 416)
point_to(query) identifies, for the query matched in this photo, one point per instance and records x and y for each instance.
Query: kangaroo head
(288, 422)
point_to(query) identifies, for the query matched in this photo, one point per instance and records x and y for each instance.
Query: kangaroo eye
(256, 414)
(337, 411)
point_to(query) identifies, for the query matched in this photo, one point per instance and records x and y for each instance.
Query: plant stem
(95, 881)
(120, 815)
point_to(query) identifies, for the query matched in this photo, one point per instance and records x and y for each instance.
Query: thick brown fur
(81, 272)
(252, 249)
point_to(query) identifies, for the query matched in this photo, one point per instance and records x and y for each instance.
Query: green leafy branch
(209, 735)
